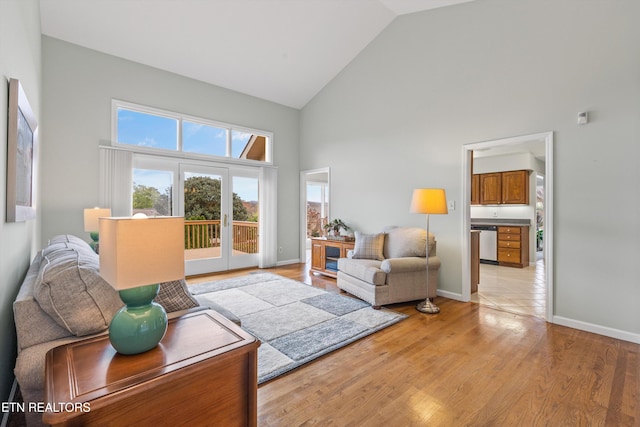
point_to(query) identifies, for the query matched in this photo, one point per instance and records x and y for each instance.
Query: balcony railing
(206, 234)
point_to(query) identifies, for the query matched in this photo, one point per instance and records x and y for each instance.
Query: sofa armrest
(409, 264)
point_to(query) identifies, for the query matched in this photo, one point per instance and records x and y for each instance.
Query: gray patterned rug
(295, 322)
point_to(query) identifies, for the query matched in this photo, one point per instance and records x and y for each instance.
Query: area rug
(295, 322)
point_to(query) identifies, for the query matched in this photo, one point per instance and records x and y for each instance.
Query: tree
(145, 197)
(202, 200)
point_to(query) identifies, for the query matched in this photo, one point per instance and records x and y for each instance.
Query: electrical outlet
(495, 213)
(452, 205)
(280, 250)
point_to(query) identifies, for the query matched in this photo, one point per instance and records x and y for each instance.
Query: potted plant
(334, 226)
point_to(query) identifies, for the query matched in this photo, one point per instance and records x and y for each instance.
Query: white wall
(19, 59)
(79, 85)
(398, 116)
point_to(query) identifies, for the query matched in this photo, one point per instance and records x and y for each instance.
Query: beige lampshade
(91, 216)
(141, 251)
(429, 201)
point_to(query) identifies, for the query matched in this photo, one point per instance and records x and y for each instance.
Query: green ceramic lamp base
(140, 324)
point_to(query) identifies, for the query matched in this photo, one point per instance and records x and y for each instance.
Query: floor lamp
(428, 201)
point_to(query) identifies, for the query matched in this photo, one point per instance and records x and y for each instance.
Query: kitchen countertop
(501, 221)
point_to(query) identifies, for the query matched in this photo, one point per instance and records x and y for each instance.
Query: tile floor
(517, 290)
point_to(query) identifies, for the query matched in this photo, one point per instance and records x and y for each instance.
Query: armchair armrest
(409, 264)
(403, 265)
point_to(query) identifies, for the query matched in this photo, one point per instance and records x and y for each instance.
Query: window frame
(180, 118)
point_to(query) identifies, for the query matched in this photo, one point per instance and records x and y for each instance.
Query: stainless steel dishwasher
(488, 243)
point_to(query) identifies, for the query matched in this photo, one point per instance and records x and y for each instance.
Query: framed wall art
(22, 144)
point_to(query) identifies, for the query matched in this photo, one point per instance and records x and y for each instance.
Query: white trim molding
(467, 150)
(597, 329)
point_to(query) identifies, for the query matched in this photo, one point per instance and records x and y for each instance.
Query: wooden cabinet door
(490, 188)
(317, 253)
(515, 187)
(475, 189)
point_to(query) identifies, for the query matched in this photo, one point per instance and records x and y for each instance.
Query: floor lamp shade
(429, 201)
(136, 254)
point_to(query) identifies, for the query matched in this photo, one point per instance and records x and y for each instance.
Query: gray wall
(79, 85)
(19, 59)
(398, 116)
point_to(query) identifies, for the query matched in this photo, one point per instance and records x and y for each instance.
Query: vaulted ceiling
(283, 51)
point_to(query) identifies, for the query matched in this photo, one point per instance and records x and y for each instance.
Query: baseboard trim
(12, 395)
(288, 262)
(450, 295)
(597, 329)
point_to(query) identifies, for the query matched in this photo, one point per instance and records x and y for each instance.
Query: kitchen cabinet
(325, 254)
(490, 188)
(500, 188)
(515, 187)
(475, 189)
(513, 246)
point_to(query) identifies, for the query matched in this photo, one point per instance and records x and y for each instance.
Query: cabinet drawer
(506, 237)
(509, 255)
(509, 230)
(509, 244)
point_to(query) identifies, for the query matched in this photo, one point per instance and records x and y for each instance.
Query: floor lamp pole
(427, 306)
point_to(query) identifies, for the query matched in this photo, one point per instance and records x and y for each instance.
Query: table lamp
(137, 254)
(429, 201)
(91, 216)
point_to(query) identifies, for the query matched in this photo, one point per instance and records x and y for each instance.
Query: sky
(154, 131)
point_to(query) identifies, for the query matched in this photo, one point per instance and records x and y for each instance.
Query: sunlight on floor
(517, 290)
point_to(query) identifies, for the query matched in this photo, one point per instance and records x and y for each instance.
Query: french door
(220, 204)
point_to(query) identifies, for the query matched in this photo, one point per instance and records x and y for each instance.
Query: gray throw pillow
(72, 292)
(369, 246)
(174, 296)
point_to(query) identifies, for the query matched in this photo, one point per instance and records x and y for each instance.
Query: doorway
(502, 146)
(314, 207)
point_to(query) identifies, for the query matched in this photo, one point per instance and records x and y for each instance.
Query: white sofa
(390, 267)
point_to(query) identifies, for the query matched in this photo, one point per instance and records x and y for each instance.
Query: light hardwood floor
(469, 365)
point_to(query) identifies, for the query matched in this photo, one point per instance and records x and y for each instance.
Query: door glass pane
(204, 139)
(245, 215)
(152, 192)
(202, 207)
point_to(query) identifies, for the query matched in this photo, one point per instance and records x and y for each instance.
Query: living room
(397, 117)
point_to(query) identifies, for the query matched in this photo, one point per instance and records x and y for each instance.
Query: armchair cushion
(369, 246)
(406, 242)
(365, 269)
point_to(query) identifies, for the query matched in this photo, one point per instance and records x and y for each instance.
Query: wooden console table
(203, 372)
(325, 254)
